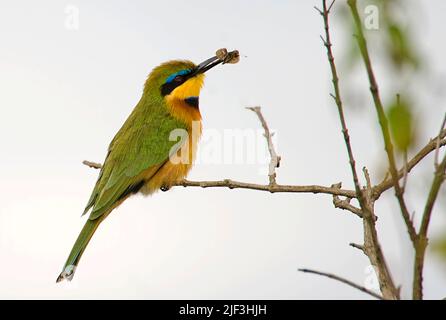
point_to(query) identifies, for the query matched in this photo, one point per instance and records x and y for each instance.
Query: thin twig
(337, 96)
(362, 43)
(343, 280)
(93, 165)
(330, 6)
(357, 246)
(422, 240)
(275, 159)
(437, 147)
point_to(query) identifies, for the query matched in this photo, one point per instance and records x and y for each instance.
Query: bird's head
(179, 80)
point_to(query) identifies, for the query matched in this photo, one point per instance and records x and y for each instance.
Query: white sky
(64, 93)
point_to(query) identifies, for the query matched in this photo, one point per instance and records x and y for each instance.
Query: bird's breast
(178, 165)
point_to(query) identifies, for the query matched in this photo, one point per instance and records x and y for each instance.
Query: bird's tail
(78, 249)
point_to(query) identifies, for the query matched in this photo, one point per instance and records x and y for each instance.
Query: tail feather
(78, 249)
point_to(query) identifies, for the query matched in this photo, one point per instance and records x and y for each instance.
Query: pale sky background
(64, 94)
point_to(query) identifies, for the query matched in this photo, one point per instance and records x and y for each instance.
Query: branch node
(344, 204)
(357, 246)
(91, 164)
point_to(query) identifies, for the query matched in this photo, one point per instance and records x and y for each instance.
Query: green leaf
(400, 49)
(439, 246)
(401, 125)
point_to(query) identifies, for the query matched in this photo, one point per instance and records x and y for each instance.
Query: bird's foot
(164, 188)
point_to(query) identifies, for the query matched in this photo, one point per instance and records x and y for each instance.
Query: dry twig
(437, 147)
(343, 280)
(275, 159)
(422, 239)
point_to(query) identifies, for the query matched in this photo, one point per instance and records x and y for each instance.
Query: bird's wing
(134, 150)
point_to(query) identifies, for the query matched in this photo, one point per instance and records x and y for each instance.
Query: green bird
(154, 148)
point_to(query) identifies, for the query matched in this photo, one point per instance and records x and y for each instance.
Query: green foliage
(439, 247)
(400, 119)
(399, 47)
(393, 37)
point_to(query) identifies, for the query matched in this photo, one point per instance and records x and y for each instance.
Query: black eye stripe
(169, 86)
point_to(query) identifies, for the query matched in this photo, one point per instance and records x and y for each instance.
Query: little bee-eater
(139, 158)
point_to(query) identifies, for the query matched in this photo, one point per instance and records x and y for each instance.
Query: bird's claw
(164, 188)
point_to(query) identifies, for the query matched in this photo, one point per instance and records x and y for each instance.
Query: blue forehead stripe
(179, 73)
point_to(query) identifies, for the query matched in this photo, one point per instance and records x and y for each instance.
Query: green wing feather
(142, 144)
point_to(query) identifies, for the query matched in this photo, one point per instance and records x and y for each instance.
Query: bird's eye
(178, 79)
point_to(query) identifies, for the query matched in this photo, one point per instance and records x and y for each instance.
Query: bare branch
(275, 159)
(372, 248)
(422, 240)
(231, 184)
(343, 280)
(337, 97)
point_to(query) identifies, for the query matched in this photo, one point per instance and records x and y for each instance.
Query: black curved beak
(206, 65)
